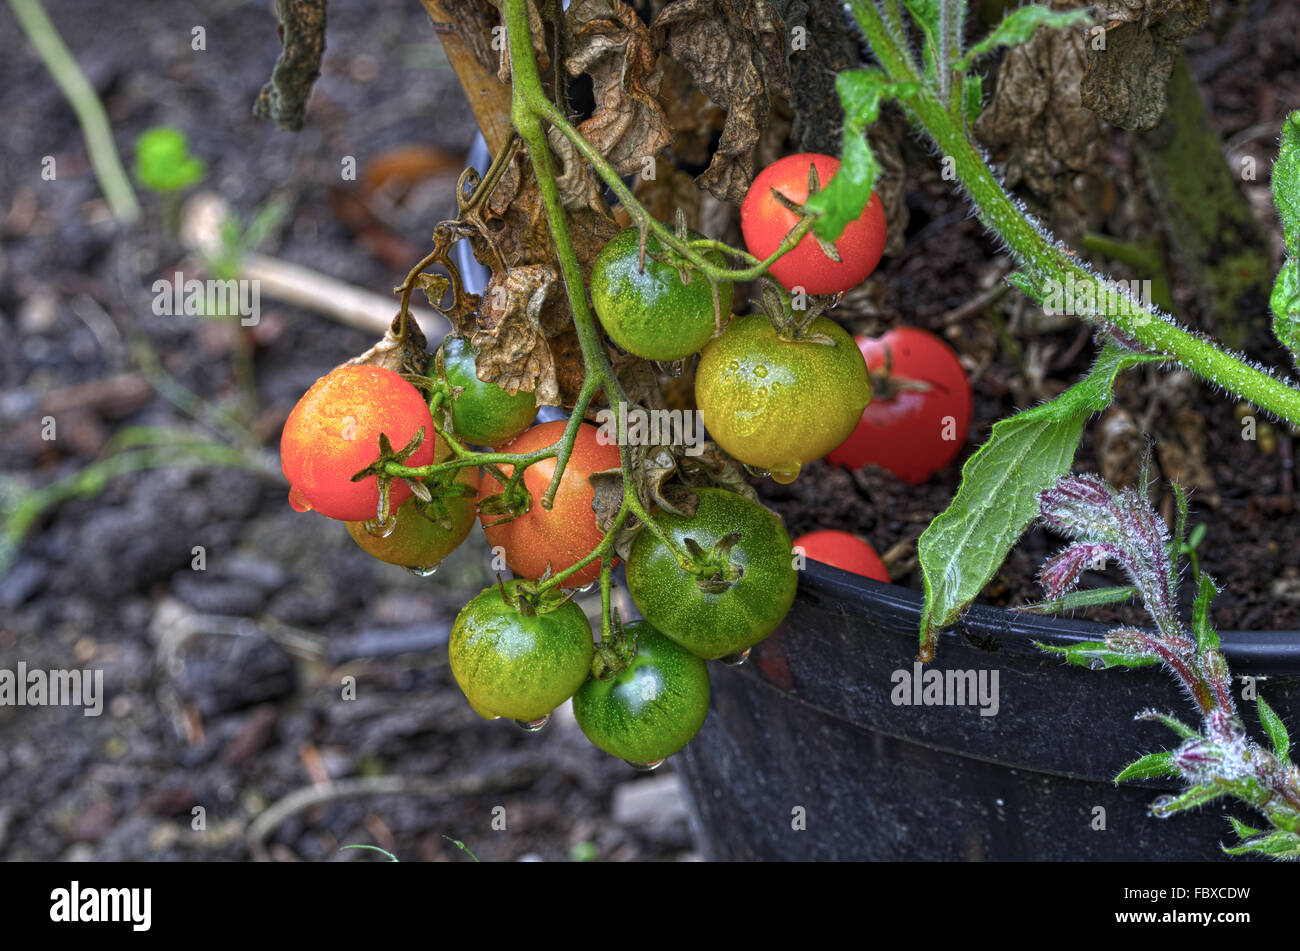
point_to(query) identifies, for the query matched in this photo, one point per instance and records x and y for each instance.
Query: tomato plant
(333, 433)
(644, 305)
(482, 413)
(537, 539)
(845, 551)
(737, 586)
(776, 402)
(916, 423)
(653, 707)
(766, 219)
(519, 656)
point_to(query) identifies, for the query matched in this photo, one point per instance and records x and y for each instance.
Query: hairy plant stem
(1140, 325)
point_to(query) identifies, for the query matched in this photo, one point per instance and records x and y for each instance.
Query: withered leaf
(401, 354)
(736, 52)
(615, 48)
(576, 183)
(513, 351)
(1035, 123)
(1129, 64)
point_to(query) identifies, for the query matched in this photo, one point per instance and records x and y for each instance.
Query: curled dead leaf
(512, 346)
(401, 353)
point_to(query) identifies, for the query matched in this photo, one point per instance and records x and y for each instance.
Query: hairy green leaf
(1243, 831)
(1019, 26)
(1175, 724)
(1279, 844)
(1207, 638)
(972, 98)
(1096, 656)
(965, 544)
(1151, 766)
(861, 91)
(1075, 600)
(1275, 729)
(927, 14)
(1192, 798)
(1285, 299)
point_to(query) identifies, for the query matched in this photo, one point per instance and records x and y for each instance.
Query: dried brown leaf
(512, 346)
(736, 52)
(397, 353)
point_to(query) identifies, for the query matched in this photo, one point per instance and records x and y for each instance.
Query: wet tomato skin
(652, 708)
(333, 433)
(483, 414)
(912, 433)
(765, 222)
(844, 551)
(776, 403)
(566, 533)
(510, 663)
(713, 625)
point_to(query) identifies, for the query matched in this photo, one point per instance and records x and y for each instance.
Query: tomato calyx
(378, 469)
(714, 569)
(789, 323)
(513, 501)
(615, 653)
(530, 599)
(814, 186)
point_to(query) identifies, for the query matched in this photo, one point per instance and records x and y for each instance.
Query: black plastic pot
(807, 734)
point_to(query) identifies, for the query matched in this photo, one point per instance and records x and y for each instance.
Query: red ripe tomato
(842, 550)
(333, 433)
(920, 411)
(765, 222)
(568, 532)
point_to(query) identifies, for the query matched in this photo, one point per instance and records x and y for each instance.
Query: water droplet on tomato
(733, 365)
(379, 529)
(645, 767)
(534, 726)
(735, 660)
(760, 371)
(422, 572)
(786, 472)
(297, 502)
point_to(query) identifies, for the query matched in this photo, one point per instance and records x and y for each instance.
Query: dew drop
(646, 767)
(735, 660)
(378, 529)
(786, 473)
(534, 726)
(422, 572)
(733, 365)
(297, 502)
(760, 371)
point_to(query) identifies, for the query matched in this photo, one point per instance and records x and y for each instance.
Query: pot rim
(1262, 652)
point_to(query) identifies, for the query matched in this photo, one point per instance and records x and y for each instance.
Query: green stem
(1047, 262)
(85, 102)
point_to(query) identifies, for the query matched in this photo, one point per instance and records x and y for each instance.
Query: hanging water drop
(735, 660)
(646, 767)
(534, 726)
(786, 472)
(422, 572)
(379, 529)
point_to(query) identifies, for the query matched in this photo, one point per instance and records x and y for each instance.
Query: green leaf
(1243, 831)
(1075, 600)
(1285, 304)
(1286, 183)
(1151, 766)
(861, 91)
(1095, 655)
(965, 545)
(1278, 844)
(927, 14)
(1206, 636)
(1191, 799)
(1177, 542)
(972, 97)
(1175, 724)
(163, 161)
(1019, 26)
(1275, 729)
(1197, 536)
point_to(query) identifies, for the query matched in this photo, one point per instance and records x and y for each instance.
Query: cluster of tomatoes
(708, 586)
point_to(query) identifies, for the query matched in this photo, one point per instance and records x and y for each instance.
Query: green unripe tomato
(713, 621)
(653, 708)
(649, 312)
(515, 663)
(484, 414)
